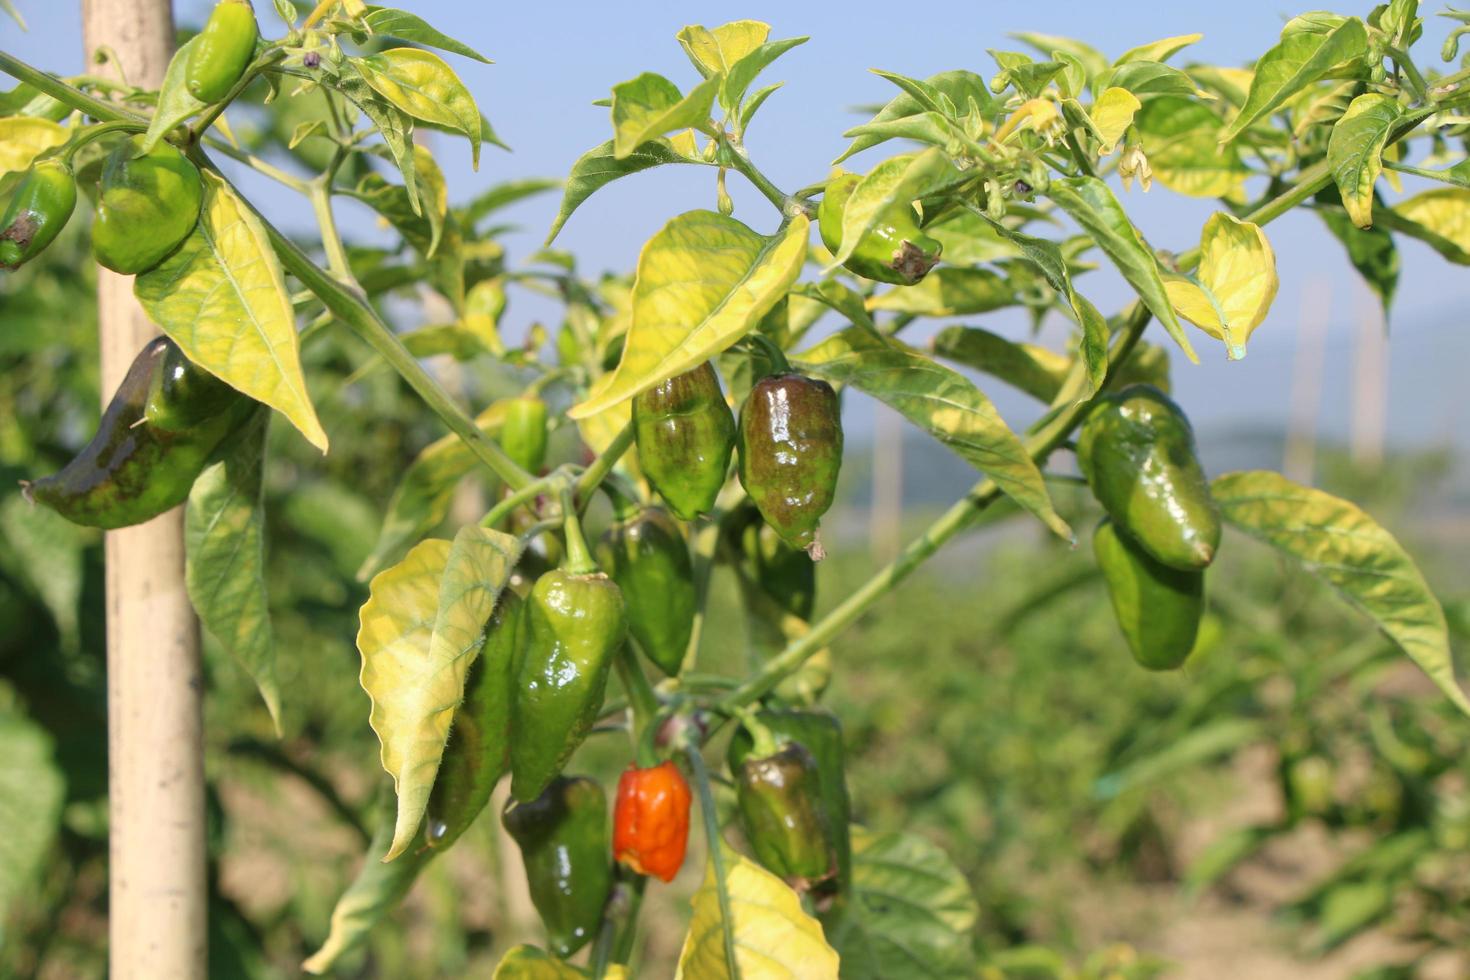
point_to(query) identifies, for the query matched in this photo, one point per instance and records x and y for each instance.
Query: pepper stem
(579, 560)
(773, 352)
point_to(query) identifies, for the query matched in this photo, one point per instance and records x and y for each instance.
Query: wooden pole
(154, 683)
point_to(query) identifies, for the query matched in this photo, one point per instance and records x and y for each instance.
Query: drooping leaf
(1179, 135)
(405, 26)
(1371, 251)
(224, 539)
(375, 892)
(1336, 541)
(175, 102)
(1236, 283)
(774, 936)
(949, 291)
(1037, 371)
(598, 167)
(421, 85)
(650, 106)
(222, 298)
(1092, 205)
(1299, 59)
(1440, 218)
(703, 280)
(940, 401)
(23, 138)
(895, 182)
(912, 912)
(1355, 151)
(32, 790)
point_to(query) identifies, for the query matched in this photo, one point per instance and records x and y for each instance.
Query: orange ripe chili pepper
(651, 820)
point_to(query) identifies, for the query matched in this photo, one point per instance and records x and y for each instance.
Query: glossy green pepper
(685, 432)
(784, 819)
(564, 844)
(1136, 449)
(147, 205)
(820, 733)
(523, 433)
(132, 470)
(790, 455)
(648, 558)
(1157, 607)
(895, 250)
(478, 751)
(182, 395)
(574, 627)
(38, 210)
(222, 51)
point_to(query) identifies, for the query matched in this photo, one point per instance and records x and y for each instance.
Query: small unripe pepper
(895, 250)
(651, 820)
(37, 212)
(1136, 449)
(478, 751)
(790, 454)
(222, 51)
(784, 819)
(647, 556)
(685, 432)
(575, 625)
(562, 834)
(523, 433)
(147, 205)
(133, 470)
(1157, 607)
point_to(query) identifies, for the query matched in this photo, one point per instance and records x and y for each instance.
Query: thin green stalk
(716, 853)
(1416, 80)
(523, 496)
(254, 162)
(706, 541)
(578, 560)
(92, 133)
(739, 161)
(64, 93)
(321, 202)
(593, 475)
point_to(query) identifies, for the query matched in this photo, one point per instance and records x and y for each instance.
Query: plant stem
(1416, 80)
(524, 495)
(741, 162)
(97, 132)
(593, 475)
(321, 202)
(716, 853)
(201, 125)
(578, 560)
(64, 93)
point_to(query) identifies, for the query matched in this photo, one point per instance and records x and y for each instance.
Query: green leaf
(1301, 58)
(44, 550)
(1440, 218)
(393, 124)
(222, 298)
(912, 912)
(410, 27)
(1148, 78)
(924, 127)
(949, 291)
(1346, 548)
(940, 401)
(1225, 853)
(376, 890)
(840, 297)
(744, 71)
(599, 167)
(1210, 741)
(703, 281)
(1093, 61)
(1179, 135)
(224, 539)
(1161, 50)
(1092, 205)
(419, 84)
(650, 106)
(1371, 251)
(1355, 151)
(1037, 371)
(958, 86)
(175, 102)
(9, 7)
(503, 195)
(1030, 78)
(32, 791)
(421, 221)
(895, 182)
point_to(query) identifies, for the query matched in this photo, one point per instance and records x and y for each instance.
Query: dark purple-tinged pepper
(790, 455)
(685, 432)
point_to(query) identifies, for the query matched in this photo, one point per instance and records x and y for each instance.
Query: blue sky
(553, 60)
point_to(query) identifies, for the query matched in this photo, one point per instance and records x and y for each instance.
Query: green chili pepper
(685, 432)
(148, 204)
(648, 558)
(478, 751)
(1157, 607)
(1136, 449)
(523, 433)
(182, 395)
(37, 212)
(564, 843)
(222, 51)
(790, 454)
(574, 627)
(894, 250)
(133, 470)
(820, 734)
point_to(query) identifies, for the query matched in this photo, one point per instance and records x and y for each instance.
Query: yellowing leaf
(419, 83)
(948, 291)
(1037, 114)
(715, 52)
(223, 300)
(1112, 114)
(1161, 50)
(774, 938)
(530, 963)
(23, 138)
(647, 107)
(1355, 151)
(703, 281)
(1444, 214)
(1236, 282)
(1343, 546)
(413, 695)
(423, 681)
(1179, 136)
